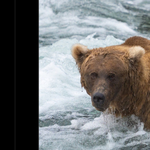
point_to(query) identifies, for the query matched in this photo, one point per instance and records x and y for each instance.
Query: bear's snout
(98, 98)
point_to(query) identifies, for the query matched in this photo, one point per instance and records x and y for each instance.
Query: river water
(67, 119)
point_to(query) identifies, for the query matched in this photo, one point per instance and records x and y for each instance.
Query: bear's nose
(98, 98)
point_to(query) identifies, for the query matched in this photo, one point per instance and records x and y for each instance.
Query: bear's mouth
(99, 107)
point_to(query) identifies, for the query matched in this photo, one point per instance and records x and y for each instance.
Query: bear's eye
(111, 76)
(93, 75)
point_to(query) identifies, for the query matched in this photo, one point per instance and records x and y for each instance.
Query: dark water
(67, 120)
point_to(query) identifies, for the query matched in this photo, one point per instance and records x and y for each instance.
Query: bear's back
(138, 41)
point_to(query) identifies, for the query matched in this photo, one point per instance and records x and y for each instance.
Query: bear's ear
(135, 53)
(79, 53)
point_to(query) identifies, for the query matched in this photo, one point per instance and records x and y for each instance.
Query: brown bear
(117, 77)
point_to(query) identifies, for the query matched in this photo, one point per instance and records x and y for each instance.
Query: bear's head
(106, 73)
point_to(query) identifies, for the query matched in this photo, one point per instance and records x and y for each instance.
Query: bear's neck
(136, 100)
(139, 89)
(142, 100)
(132, 103)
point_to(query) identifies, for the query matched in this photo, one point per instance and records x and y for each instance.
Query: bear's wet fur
(117, 77)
